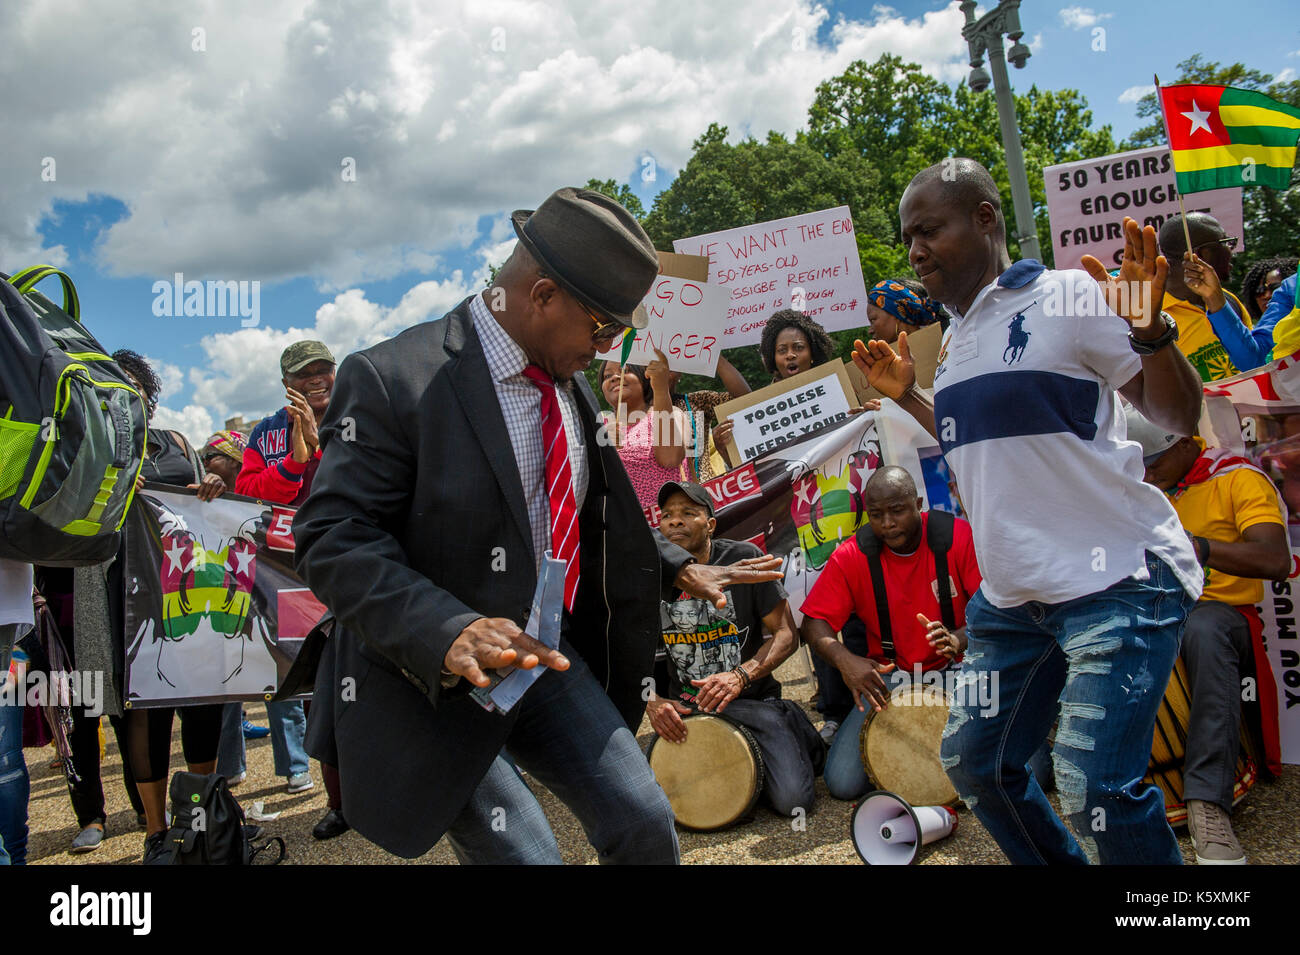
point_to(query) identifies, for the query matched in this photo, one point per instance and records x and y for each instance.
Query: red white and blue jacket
(269, 471)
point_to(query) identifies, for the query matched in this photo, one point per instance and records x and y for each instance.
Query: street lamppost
(985, 35)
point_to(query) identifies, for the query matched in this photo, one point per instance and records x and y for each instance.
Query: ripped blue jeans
(1103, 660)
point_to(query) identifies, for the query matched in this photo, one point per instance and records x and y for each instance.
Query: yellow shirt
(1196, 338)
(1286, 333)
(1221, 509)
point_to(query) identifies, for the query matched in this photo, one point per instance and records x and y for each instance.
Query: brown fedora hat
(595, 249)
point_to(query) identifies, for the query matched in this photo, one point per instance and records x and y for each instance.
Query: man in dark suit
(446, 475)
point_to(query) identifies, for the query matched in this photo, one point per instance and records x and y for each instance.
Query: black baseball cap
(692, 490)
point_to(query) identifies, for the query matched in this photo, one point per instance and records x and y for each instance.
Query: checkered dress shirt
(521, 406)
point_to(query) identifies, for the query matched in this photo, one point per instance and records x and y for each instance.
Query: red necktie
(559, 483)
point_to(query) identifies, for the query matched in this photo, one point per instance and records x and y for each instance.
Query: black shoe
(332, 825)
(156, 850)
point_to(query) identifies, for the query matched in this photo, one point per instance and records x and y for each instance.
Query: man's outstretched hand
(1137, 293)
(708, 581)
(888, 371)
(492, 642)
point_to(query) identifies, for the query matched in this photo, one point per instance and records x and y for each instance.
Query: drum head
(713, 779)
(900, 746)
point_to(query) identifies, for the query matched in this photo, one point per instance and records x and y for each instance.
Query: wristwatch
(1150, 347)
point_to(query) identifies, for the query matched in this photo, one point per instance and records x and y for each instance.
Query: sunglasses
(1228, 240)
(604, 332)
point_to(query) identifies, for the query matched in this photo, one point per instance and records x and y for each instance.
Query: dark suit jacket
(417, 500)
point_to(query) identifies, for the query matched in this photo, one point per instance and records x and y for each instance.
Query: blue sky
(213, 139)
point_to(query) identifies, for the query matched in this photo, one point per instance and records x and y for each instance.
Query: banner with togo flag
(214, 609)
(802, 500)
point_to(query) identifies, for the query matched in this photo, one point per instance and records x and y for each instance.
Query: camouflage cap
(301, 354)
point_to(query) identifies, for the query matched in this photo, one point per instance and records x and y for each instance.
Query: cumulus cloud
(289, 138)
(1081, 18)
(240, 373)
(1285, 76)
(278, 139)
(1135, 93)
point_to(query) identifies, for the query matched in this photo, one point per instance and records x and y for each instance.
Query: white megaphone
(887, 831)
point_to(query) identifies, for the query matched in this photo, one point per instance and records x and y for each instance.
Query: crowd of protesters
(670, 444)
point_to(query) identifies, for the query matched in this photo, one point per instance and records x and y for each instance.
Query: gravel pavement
(1266, 822)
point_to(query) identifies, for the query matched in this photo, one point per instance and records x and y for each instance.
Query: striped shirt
(1030, 423)
(521, 406)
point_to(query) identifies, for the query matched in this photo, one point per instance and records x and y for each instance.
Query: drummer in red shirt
(913, 637)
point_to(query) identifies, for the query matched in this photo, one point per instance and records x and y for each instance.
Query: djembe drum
(900, 746)
(1169, 749)
(714, 778)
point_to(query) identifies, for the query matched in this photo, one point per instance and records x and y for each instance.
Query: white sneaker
(828, 731)
(233, 781)
(300, 782)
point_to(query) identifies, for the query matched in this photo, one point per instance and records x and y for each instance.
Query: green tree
(861, 111)
(1272, 218)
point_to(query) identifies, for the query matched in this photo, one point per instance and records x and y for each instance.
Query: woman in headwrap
(224, 455)
(901, 305)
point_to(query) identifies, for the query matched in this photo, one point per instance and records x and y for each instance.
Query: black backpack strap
(869, 544)
(938, 534)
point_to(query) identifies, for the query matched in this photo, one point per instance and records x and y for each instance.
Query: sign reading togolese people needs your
(770, 417)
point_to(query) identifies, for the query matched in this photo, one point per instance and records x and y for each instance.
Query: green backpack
(72, 430)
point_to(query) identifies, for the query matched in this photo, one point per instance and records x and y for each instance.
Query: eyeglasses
(1228, 240)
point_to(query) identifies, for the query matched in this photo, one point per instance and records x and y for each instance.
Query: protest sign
(808, 262)
(789, 409)
(1088, 200)
(214, 609)
(686, 317)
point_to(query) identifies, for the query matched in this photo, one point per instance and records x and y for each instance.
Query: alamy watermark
(1077, 297)
(211, 299)
(954, 686)
(82, 688)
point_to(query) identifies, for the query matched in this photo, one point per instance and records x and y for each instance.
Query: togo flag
(1224, 136)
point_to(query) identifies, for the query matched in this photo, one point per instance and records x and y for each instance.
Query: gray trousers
(1217, 652)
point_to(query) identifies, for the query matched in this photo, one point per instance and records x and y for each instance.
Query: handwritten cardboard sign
(808, 262)
(686, 317)
(789, 409)
(1088, 200)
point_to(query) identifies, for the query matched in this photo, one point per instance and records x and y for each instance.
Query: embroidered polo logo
(1018, 339)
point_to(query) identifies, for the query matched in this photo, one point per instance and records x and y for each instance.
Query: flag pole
(618, 409)
(1182, 210)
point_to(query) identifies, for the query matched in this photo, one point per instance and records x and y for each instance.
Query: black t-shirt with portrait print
(702, 640)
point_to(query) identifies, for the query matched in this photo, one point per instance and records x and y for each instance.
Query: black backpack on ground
(938, 537)
(207, 825)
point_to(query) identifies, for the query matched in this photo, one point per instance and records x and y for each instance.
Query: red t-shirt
(844, 587)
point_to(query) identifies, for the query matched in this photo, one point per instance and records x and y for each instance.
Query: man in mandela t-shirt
(720, 663)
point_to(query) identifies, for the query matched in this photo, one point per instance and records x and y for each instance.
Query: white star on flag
(802, 492)
(1199, 119)
(243, 558)
(176, 554)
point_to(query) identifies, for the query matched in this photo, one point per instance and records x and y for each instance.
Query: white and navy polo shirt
(1028, 418)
